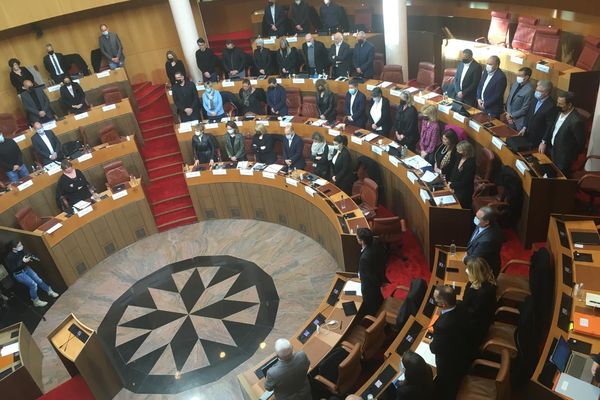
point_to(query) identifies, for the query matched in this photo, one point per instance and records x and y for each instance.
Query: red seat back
(426, 74)
(448, 78)
(378, 64)
(28, 219)
(392, 73)
(525, 33)
(590, 54)
(309, 107)
(293, 100)
(545, 42)
(498, 32)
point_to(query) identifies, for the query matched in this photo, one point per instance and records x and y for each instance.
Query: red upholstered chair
(248, 147)
(294, 100)
(368, 198)
(363, 17)
(392, 73)
(112, 95)
(545, 42)
(425, 77)
(590, 54)
(230, 109)
(8, 125)
(28, 220)
(447, 80)
(524, 34)
(378, 64)
(309, 107)
(115, 173)
(109, 134)
(341, 107)
(498, 32)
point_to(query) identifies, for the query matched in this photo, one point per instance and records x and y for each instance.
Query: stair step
(150, 91)
(164, 161)
(172, 205)
(159, 192)
(178, 223)
(139, 87)
(158, 157)
(171, 175)
(152, 99)
(158, 132)
(154, 121)
(175, 215)
(165, 170)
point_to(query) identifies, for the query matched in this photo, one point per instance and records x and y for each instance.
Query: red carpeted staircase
(167, 192)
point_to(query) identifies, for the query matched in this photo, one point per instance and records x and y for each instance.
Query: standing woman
(262, 145)
(287, 58)
(445, 156)
(326, 101)
(72, 185)
(172, 65)
(321, 156)
(19, 74)
(234, 143)
(479, 300)
(463, 175)
(343, 173)
(430, 131)
(406, 127)
(202, 147)
(379, 113)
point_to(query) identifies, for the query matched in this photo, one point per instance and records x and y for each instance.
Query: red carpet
(73, 389)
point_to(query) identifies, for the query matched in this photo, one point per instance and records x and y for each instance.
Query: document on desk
(411, 89)
(385, 84)
(81, 204)
(52, 168)
(353, 286)
(444, 200)
(242, 165)
(109, 107)
(424, 195)
(54, 228)
(319, 122)
(48, 126)
(370, 137)
(10, 349)
(424, 351)
(273, 168)
(25, 185)
(85, 211)
(321, 182)
(416, 162)
(103, 74)
(430, 95)
(54, 88)
(429, 176)
(185, 127)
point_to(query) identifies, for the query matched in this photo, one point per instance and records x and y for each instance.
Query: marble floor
(222, 291)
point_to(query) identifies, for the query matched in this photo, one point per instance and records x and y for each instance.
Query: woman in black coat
(326, 101)
(19, 74)
(418, 378)
(343, 173)
(263, 146)
(479, 300)
(72, 186)
(463, 175)
(288, 59)
(380, 120)
(203, 148)
(173, 65)
(444, 157)
(406, 127)
(321, 156)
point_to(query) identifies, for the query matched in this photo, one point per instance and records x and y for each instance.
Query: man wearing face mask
(486, 240)
(17, 264)
(273, 23)
(212, 103)
(36, 103)
(293, 150)
(46, 144)
(566, 138)
(315, 56)
(340, 56)
(300, 16)
(234, 61)
(55, 64)
(332, 17)
(234, 143)
(185, 97)
(11, 160)
(490, 92)
(111, 47)
(468, 75)
(541, 115)
(206, 61)
(276, 98)
(72, 97)
(263, 59)
(355, 106)
(519, 99)
(202, 147)
(363, 57)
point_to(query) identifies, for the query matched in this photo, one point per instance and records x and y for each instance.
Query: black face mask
(402, 103)
(271, 4)
(360, 41)
(180, 81)
(67, 83)
(466, 60)
(51, 52)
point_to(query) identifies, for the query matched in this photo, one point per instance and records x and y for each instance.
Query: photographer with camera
(17, 264)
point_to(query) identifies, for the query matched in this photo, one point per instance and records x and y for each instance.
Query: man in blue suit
(490, 92)
(355, 106)
(276, 98)
(293, 150)
(363, 57)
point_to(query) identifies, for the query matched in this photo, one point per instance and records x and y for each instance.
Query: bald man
(287, 378)
(363, 57)
(315, 56)
(340, 56)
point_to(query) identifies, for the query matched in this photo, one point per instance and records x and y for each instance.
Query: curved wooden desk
(297, 41)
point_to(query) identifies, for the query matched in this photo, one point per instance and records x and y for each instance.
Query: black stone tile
(222, 309)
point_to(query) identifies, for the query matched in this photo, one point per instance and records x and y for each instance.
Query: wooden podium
(21, 364)
(82, 353)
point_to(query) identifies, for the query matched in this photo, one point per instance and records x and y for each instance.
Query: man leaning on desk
(288, 377)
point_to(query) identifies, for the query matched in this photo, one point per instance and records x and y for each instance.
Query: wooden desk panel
(375, 38)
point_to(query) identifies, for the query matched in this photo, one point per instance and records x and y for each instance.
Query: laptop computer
(577, 365)
(576, 389)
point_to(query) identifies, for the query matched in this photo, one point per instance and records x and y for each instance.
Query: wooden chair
(348, 371)
(475, 387)
(116, 174)
(369, 335)
(368, 198)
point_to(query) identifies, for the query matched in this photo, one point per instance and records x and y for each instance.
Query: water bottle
(403, 151)
(453, 249)
(343, 204)
(370, 397)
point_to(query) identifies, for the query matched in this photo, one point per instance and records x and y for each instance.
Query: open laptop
(576, 389)
(570, 362)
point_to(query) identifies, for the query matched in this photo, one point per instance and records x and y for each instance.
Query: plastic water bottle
(453, 249)
(403, 151)
(370, 396)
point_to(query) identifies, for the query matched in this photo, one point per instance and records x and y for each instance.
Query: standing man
(466, 80)
(340, 56)
(185, 97)
(72, 97)
(332, 17)
(541, 116)
(363, 57)
(273, 23)
(355, 106)
(276, 98)
(111, 47)
(263, 60)
(206, 61)
(486, 240)
(36, 103)
(234, 61)
(566, 139)
(46, 144)
(55, 64)
(288, 377)
(371, 271)
(490, 92)
(300, 17)
(293, 150)
(11, 160)
(519, 99)
(315, 56)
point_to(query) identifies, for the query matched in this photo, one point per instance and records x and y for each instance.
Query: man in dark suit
(355, 106)
(466, 80)
(363, 57)
(287, 378)
(371, 271)
(276, 98)
(274, 18)
(55, 64)
(486, 240)
(519, 99)
(541, 115)
(340, 56)
(566, 138)
(206, 61)
(111, 47)
(332, 17)
(293, 150)
(185, 97)
(72, 97)
(315, 56)
(490, 92)
(300, 16)
(263, 59)
(449, 343)
(36, 103)
(234, 60)
(46, 144)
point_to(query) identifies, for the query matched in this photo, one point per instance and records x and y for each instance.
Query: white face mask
(520, 79)
(198, 133)
(231, 131)
(1, 138)
(309, 44)
(289, 136)
(476, 221)
(489, 68)
(105, 33)
(19, 247)
(41, 131)
(326, 1)
(298, 1)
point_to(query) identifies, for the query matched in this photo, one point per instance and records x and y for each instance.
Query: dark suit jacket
(385, 122)
(343, 171)
(332, 17)
(203, 148)
(340, 64)
(31, 108)
(470, 83)
(494, 92)
(264, 150)
(568, 143)
(539, 124)
(186, 96)
(326, 106)
(462, 181)
(291, 62)
(279, 22)
(406, 391)
(300, 15)
(50, 68)
(487, 245)
(358, 112)
(371, 269)
(263, 59)
(238, 150)
(407, 124)
(363, 57)
(480, 306)
(321, 56)
(234, 59)
(449, 343)
(69, 101)
(294, 152)
(40, 147)
(276, 99)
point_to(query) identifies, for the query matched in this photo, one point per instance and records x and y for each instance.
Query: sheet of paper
(429, 176)
(371, 87)
(321, 182)
(430, 95)
(444, 200)
(213, 125)
(85, 211)
(416, 162)
(185, 127)
(376, 149)
(246, 172)
(52, 168)
(411, 89)
(268, 175)
(103, 74)
(385, 84)
(353, 286)
(80, 205)
(119, 195)
(370, 136)
(424, 195)
(49, 125)
(54, 228)
(193, 174)
(25, 185)
(242, 165)
(54, 88)
(319, 122)
(333, 132)
(10, 349)
(420, 100)
(458, 117)
(81, 116)
(84, 157)
(291, 182)
(424, 351)
(274, 168)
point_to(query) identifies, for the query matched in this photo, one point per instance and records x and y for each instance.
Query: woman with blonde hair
(287, 59)
(430, 131)
(479, 300)
(463, 175)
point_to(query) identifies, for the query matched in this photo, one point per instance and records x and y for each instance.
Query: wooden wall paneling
(257, 203)
(98, 237)
(70, 259)
(122, 223)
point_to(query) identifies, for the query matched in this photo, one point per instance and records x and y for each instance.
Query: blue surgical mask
(209, 91)
(538, 95)
(41, 131)
(105, 33)
(476, 221)
(352, 91)
(1, 138)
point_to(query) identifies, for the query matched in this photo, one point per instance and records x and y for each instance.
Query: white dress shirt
(335, 156)
(70, 89)
(464, 73)
(376, 113)
(273, 13)
(337, 49)
(488, 78)
(56, 64)
(46, 141)
(352, 97)
(559, 122)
